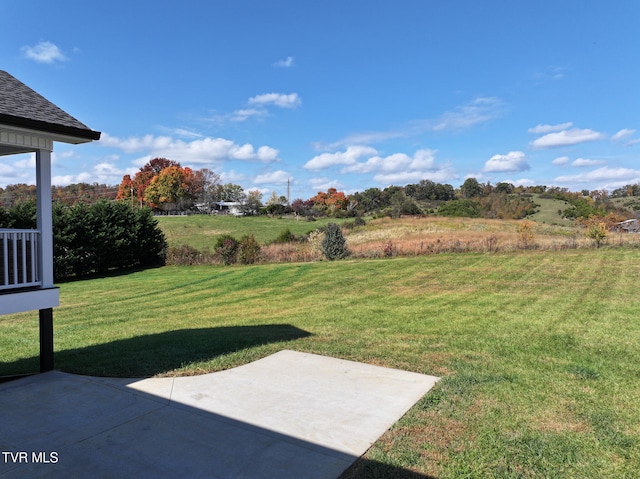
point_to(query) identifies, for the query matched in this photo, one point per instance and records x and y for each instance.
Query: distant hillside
(550, 211)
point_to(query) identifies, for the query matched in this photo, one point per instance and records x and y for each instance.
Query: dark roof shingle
(23, 107)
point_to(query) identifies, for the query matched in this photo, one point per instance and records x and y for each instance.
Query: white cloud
(512, 161)
(603, 174)
(272, 177)
(550, 74)
(566, 138)
(365, 138)
(422, 160)
(282, 100)
(103, 172)
(624, 133)
(561, 160)
(479, 110)
(232, 176)
(183, 132)
(245, 114)
(286, 63)
(377, 163)
(539, 129)
(200, 151)
(391, 169)
(406, 177)
(348, 157)
(323, 184)
(44, 52)
(582, 162)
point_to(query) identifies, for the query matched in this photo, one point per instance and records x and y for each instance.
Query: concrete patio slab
(290, 415)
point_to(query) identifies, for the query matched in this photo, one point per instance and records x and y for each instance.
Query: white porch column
(45, 220)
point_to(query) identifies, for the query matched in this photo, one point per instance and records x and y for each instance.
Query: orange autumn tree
(165, 184)
(134, 188)
(171, 189)
(331, 201)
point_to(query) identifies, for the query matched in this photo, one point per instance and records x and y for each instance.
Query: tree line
(70, 195)
(164, 185)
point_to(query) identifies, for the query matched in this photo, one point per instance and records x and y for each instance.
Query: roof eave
(76, 135)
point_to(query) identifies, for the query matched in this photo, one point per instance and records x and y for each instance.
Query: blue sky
(348, 94)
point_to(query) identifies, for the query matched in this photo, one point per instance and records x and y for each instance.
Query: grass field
(539, 351)
(201, 231)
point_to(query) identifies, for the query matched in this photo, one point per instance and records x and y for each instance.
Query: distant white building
(228, 207)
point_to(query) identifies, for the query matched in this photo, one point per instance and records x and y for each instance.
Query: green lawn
(539, 351)
(201, 231)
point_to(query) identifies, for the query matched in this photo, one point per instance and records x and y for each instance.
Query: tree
(460, 208)
(170, 189)
(156, 165)
(126, 190)
(369, 200)
(401, 204)
(253, 203)
(331, 201)
(229, 192)
(334, 245)
(273, 199)
(429, 190)
(471, 188)
(506, 188)
(276, 205)
(302, 207)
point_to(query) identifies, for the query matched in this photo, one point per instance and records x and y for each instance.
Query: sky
(347, 94)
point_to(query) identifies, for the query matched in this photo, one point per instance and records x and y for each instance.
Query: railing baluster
(34, 259)
(24, 258)
(19, 259)
(5, 259)
(14, 245)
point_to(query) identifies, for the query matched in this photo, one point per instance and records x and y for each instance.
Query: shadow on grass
(369, 469)
(152, 354)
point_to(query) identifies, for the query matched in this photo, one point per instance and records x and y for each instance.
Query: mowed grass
(201, 231)
(539, 351)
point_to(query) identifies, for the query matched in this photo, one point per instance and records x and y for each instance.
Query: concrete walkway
(290, 415)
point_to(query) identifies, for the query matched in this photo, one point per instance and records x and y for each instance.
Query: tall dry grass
(414, 236)
(417, 236)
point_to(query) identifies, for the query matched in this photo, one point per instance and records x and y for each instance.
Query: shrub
(597, 231)
(184, 255)
(460, 208)
(525, 234)
(227, 249)
(315, 239)
(388, 249)
(285, 236)
(104, 236)
(248, 250)
(358, 221)
(334, 245)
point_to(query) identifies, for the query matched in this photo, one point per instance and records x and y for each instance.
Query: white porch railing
(19, 259)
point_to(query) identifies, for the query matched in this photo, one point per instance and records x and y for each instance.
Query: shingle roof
(20, 106)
